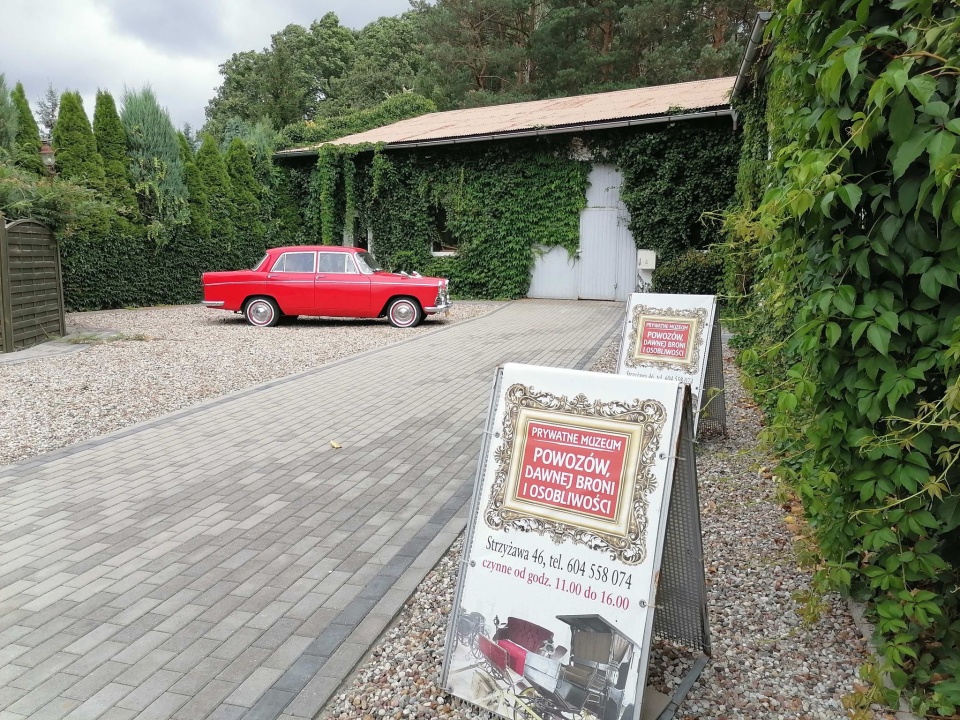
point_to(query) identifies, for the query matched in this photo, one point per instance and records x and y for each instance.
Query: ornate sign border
(651, 415)
(641, 311)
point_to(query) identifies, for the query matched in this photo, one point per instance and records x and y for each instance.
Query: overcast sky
(175, 46)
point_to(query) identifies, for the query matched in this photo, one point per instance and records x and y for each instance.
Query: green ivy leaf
(850, 194)
(879, 337)
(922, 87)
(902, 117)
(851, 58)
(940, 147)
(905, 153)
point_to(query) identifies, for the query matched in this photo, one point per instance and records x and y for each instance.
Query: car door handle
(320, 276)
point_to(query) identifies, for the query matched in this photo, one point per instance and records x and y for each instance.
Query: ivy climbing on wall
(500, 202)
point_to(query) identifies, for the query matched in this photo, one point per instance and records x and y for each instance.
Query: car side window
(295, 262)
(336, 262)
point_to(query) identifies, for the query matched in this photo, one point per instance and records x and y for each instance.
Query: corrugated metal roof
(560, 112)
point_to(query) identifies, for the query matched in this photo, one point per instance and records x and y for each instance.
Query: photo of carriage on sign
(521, 670)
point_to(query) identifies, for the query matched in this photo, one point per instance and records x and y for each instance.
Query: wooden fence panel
(31, 289)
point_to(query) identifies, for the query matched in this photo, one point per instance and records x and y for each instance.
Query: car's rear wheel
(261, 312)
(404, 312)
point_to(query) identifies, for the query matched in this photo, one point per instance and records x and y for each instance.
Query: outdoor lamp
(46, 156)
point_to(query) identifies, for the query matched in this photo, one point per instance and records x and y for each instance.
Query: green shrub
(696, 272)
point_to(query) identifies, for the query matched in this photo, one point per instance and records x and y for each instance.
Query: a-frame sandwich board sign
(677, 337)
(583, 541)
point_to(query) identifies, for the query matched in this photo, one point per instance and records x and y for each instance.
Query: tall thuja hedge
(860, 233)
(28, 134)
(111, 142)
(249, 227)
(77, 157)
(223, 209)
(200, 227)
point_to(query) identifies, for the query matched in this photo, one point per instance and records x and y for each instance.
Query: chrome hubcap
(403, 313)
(261, 312)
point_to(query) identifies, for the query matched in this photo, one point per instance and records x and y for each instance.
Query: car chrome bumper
(213, 303)
(438, 309)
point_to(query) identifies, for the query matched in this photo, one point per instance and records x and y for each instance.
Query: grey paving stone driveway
(225, 561)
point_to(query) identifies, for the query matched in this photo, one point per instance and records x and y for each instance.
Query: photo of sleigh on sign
(666, 338)
(576, 470)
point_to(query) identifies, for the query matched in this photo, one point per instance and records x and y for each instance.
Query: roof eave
(751, 52)
(716, 111)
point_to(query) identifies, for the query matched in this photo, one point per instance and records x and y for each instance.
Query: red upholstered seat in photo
(518, 655)
(524, 633)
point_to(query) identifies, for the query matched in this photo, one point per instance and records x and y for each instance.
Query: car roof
(314, 248)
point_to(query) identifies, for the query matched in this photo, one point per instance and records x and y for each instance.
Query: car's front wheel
(404, 313)
(261, 312)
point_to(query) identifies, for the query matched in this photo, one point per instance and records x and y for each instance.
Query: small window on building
(295, 262)
(443, 242)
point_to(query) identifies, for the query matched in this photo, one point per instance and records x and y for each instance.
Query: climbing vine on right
(854, 305)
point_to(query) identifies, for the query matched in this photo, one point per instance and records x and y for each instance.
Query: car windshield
(367, 262)
(259, 264)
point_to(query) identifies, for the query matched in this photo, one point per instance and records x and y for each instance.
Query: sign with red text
(554, 605)
(668, 337)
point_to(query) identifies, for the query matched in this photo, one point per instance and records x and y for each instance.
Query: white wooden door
(608, 255)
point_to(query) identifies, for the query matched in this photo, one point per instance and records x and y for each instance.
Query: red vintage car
(328, 281)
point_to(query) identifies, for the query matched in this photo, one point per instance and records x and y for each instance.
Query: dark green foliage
(285, 82)
(156, 169)
(695, 272)
(671, 177)
(27, 154)
(200, 227)
(53, 201)
(247, 221)
(77, 156)
(111, 141)
(389, 57)
(391, 110)
(857, 291)
(219, 191)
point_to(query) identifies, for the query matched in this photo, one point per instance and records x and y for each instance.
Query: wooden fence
(31, 289)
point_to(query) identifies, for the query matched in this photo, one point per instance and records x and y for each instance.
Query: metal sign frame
(694, 355)
(678, 601)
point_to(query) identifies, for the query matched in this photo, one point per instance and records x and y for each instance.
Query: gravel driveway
(173, 357)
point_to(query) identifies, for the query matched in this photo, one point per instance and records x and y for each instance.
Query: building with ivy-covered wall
(565, 198)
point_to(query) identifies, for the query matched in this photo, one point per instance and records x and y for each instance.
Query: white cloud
(175, 46)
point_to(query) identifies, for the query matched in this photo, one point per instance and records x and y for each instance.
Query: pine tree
(246, 190)
(201, 226)
(48, 105)
(27, 152)
(111, 143)
(77, 156)
(216, 181)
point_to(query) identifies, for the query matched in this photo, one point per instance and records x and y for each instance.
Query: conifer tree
(153, 153)
(27, 152)
(246, 190)
(77, 156)
(111, 141)
(219, 190)
(9, 119)
(198, 202)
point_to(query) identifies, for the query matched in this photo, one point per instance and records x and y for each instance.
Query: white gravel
(182, 355)
(766, 662)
